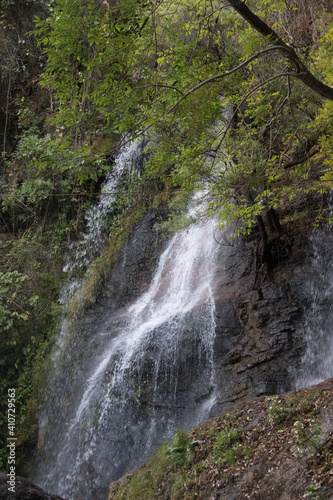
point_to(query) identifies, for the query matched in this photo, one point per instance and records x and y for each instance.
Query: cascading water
(87, 249)
(147, 368)
(317, 362)
(82, 253)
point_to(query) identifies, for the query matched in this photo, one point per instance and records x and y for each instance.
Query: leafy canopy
(223, 105)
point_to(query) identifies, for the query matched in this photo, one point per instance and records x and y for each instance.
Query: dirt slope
(269, 448)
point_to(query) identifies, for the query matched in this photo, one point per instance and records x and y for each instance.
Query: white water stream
(148, 368)
(181, 282)
(83, 252)
(317, 362)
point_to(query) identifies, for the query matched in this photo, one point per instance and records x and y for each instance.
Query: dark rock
(260, 332)
(23, 490)
(132, 273)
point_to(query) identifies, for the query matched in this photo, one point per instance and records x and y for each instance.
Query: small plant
(224, 441)
(178, 483)
(278, 411)
(313, 493)
(307, 436)
(179, 448)
(296, 406)
(227, 446)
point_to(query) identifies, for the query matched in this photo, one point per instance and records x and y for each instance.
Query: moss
(97, 272)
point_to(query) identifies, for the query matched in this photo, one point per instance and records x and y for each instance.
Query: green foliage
(174, 457)
(90, 57)
(139, 68)
(307, 436)
(35, 230)
(11, 287)
(28, 315)
(178, 451)
(21, 62)
(228, 446)
(278, 411)
(224, 440)
(313, 492)
(282, 410)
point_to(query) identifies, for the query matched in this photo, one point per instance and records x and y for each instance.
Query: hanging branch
(225, 74)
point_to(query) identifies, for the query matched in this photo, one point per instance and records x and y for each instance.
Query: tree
(171, 70)
(20, 64)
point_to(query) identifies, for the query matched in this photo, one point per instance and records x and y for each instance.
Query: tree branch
(224, 75)
(301, 159)
(302, 72)
(162, 86)
(237, 109)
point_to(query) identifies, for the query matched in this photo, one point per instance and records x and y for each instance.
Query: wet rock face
(132, 272)
(137, 261)
(260, 331)
(268, 343)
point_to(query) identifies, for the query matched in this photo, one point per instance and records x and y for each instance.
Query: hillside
(277, 447)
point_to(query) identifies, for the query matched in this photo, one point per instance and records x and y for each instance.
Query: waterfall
(130, 379)
(83, 252)
(317, 362)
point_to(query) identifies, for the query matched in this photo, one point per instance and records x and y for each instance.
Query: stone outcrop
(132, 273)
(260, 329)
(23, 490)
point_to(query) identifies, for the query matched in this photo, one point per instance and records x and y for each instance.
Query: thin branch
(10, 301)
(212, 13)
(161, 85)
(237, 109)
(300, 160)
(6, 113)
(224, 74)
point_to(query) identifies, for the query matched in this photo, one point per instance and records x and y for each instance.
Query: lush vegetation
(243, 111)
(223, 105)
